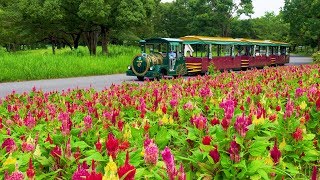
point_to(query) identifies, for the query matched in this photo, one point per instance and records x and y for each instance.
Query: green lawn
(42, 64)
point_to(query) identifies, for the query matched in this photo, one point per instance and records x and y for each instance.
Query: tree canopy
(100, 22)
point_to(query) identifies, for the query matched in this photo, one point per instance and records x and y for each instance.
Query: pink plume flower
(181, 174)
(199, 121)
(289, 109)
(81, 173)
(87, 122)
(314, 173)
(17, 175)
(9, 144)
(169, 161)
(297, 135)
(234, 151)
(30, 171)
(30, 121)
(94, 175)
(241, 125)
(228, 106)
(66, 123)
(27, 147)
(151, 154)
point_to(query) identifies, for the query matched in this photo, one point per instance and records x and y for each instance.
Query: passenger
(172, 55)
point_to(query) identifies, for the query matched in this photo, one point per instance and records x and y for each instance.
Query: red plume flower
(94, 175)
(275, 154)
(9, 144)
(30, 171)
(297, 135)
(314, 173)
(98, 145)
(206, 140)
(127, 171)
(215, 154)
(112, 145)
(234, 151)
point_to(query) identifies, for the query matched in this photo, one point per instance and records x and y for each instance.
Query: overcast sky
(261, 6)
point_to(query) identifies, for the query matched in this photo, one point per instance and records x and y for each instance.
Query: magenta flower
(27, 147)
(66, 123)
(297, 135)
(289, 109)
(299, 92)
(174, 102)
(275, 154)
(169, 161)
(228, 106)
(205, 92)
(17, 175)
(188, 106)
(206, 140)
(81, 173)
(215, 154)
(225, 123)
(234, 151)
(241, 125)
(151, 154)
(87, 122)
(56, 152)
(9, 144)
(30, 121)
(314, 173)
(199, 121)
(181, 174)
(30, 171)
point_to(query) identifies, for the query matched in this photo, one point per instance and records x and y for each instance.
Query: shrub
(316, 57)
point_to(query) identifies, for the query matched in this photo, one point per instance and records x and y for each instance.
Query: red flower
(30, 171)
(112, 145)
(318, 104)
(81, 172)
(206, 140)
(215, 121)
(9, 144)
(124, 145)
(278, 108)
(30, 121)
(94, 175)
(275, 154)
(77, 154)
(314, 173)
(56, 152)
(1, 125)
(297, 135)
(234, 151)
(215, 154)
(98, 145)
(127, 170)
(49, 139)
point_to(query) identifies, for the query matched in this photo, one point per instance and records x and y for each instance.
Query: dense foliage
(259, 124)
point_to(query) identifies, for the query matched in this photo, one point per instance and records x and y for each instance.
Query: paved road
(97, 82)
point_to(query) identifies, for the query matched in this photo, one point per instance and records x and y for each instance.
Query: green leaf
(96, 156)
(81, 144)
(263, 174)
(162, 137)
(309, 137)
(258, 148)
(24, 159)
(254, 166)
(43, 161)
(191, 135)
(293, 170)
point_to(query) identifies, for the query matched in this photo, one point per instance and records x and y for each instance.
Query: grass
(42, 64)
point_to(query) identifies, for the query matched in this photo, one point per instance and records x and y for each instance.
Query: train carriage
(194, 54)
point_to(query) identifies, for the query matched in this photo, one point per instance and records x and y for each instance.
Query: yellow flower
(282, 144)
(127, 132)
(165, 119)
(257, 121)
(110, 171)
(268, 161)
(269, 112)
(37, 152)
(159, 111)
(142, 152)
(303, 105)
(171, 120)
(10, 160)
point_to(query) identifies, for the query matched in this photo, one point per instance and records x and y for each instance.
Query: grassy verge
(42, 64)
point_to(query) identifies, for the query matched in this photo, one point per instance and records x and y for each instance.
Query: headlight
(151, 68)
(129, 67)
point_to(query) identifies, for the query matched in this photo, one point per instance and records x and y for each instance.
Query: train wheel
(141, 78)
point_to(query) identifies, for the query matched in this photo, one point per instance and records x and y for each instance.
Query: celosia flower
(27, 147)
(215, 121)
(110, 170)
(169, 161)
(199, 121)
(206, 140)
(68, 149)
(215, 154)
(289, 109)
(98, 145)
(30, 171)
(87, 122)
(77, 154)
(10, 160)
(318, 104)
(278, 108)
(275, 154)
(1, 125)
(17, 175)
(9, 144)
(174, 102)
(127, 171)
(299, 92)
(188, 106)
(94, 175)
(81, 173)
(30, 121)
(112, 145)
(151, 153)
(205, 92)
(49, 139)
(124, 145)
(56, 152)
(228, 106)
(66, 123)
(181, 174)
(225, 123)
(234, 151)
(241, 125)
(314, 173)
(297, 135)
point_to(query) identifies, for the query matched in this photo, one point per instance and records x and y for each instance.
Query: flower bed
(259, 124)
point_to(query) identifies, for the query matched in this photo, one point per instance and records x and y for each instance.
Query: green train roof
(229, 41)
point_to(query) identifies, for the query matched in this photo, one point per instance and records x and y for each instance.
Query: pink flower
(94, 175)
(56, 152)
(87, 122)
(17, 175)
(66, 123)
(98, 145)
(275, 154)
(228, 106)
(151, 153)
(27, 147)
(299, 92)
(174, 102)
(215, 154)
(188, 106)
(241, 125)
(289, 109)
(181, 174)
(81, 173)
(205, 92)
(30, 121)
(199, 121)
(234, 151)
(127, 171)
(9, 144)
(314, 173)
(169, 161)
(112, 145)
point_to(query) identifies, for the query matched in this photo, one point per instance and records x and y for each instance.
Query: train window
(263, 50)
(215, 50)
(226, 50)
(283, 50)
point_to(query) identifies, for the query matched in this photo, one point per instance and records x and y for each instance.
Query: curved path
(97, 82)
